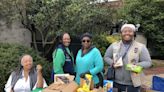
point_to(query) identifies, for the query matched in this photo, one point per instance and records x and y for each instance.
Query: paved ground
(149, 73)
(157, 70)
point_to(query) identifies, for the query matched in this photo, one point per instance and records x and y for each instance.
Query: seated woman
(26, 77)
(89, 61)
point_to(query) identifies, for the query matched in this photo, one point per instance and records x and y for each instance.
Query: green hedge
(103, 41)
(9, 60)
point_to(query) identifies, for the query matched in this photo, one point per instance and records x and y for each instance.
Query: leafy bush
(103, 41)
(9, 60)
(47, 18)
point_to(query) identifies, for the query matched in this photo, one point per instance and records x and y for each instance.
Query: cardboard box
(147, 89)
(57, 87)
(63, 78)
(100, 89)
(62, 83)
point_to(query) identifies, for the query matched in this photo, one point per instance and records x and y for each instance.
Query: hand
(117, 66)
(114, 65)
(39, 67)
(11, 90)
(82, 75)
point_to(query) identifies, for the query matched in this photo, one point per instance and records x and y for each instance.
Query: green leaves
(47, 18)
(102, 41)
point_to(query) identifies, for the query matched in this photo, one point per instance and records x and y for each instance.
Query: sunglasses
(85, 41)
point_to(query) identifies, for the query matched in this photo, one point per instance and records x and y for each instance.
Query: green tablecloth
(38, 90)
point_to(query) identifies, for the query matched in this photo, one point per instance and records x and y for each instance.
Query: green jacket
(59, 59)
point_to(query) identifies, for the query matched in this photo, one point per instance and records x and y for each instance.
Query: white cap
(129, 26)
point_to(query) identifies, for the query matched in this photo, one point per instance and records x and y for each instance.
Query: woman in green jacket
(63, 60)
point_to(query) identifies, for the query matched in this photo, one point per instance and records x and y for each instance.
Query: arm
(144, 58)
(108, 55)
(98, 61)
(77, 55)
(58, 61)
(8, 85)
(39, 77)
(41, 83)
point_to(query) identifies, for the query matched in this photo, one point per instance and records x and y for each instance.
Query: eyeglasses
(85, 41)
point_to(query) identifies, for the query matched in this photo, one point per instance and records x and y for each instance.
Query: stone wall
(15, 33)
